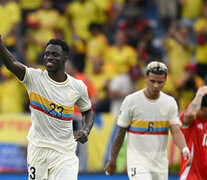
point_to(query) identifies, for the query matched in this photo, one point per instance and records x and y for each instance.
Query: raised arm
(118, 141)
(195, 105)
(87, 122)
(10, 62)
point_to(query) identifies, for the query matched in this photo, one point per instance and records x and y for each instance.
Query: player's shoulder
(34, 71)
(75, 82)
(134, 95)
(168, 98)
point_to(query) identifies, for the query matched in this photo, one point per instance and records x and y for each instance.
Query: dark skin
(54, 60)
(82, 135)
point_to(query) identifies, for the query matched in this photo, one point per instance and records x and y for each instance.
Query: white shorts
(133, 175)
(48, 164)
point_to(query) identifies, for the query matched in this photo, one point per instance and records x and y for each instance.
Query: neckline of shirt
(55, 82)
(150, 100)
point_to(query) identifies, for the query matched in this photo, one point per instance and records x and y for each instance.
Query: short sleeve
(83, 103)
(124, 118)
(30, 77)
(174, 115)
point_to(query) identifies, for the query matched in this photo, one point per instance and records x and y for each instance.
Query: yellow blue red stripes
(149, 127)
(55, 110)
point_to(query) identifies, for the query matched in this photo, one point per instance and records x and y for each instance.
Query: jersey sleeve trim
(176, 121)
(85, 108)
(25, 76)
(122, 124)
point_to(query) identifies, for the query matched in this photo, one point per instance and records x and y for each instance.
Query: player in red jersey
(194, 128)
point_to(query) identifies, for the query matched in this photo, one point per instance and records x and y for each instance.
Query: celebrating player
(53, 95)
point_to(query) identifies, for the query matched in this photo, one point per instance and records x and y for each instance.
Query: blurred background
(111, 41)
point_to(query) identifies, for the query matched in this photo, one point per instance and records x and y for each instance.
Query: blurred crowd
(111, 42)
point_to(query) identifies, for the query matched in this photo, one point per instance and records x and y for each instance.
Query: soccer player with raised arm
(53, 95)
(194, 128)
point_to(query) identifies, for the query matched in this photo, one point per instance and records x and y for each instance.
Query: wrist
(112, 160)
(185, 149)
(87, 131)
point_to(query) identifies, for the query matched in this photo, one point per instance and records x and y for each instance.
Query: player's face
(155, 84)
(54, 58)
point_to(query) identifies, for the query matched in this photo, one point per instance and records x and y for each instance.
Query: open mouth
(155, 91)
(50, 64)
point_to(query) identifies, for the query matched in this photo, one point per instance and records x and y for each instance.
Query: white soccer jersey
(148, 123)
(52, 106)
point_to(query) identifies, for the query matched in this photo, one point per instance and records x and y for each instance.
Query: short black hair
(204, 101)
(61, 43)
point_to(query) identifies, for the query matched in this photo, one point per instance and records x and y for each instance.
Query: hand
(110, 167)
(187, 156)
(82, 136)
(202, 91)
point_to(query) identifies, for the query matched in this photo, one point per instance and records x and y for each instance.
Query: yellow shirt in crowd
(30, 4)
(192, 9)
(201, 50)
(81, 15)
(10, 14)
(118, 61)
(178, 57)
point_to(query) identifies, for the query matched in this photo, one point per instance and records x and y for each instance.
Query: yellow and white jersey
(148, 122)
(52, 106)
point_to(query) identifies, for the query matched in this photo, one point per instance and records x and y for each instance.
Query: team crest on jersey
(47, 89)
(71, 95)
(141, 111)
(163, 111)
(200, 126)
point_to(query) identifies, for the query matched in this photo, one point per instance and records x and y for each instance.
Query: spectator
(28, 6)
(200, 29)
(178, 50)
(167, 12)
(187, 86)
(13, 91)
(121, 86)
(40, 30)
(145, 47)
(81, 14)
(96, 47)
(190, 11)
(120, 56)
(10, 15)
